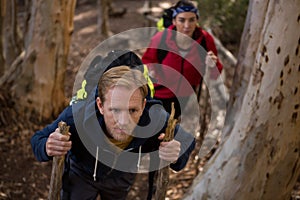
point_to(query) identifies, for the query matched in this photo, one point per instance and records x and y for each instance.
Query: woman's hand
(211, 59)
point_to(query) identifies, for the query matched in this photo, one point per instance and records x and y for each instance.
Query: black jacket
(93, 155)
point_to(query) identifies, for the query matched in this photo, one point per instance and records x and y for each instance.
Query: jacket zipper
(116, 156)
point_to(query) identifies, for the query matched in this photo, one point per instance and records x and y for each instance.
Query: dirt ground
(21, 176)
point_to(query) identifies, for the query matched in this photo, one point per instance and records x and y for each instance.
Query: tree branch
(11, 74)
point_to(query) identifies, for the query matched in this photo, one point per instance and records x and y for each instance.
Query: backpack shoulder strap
(161, 52)
(203, 41)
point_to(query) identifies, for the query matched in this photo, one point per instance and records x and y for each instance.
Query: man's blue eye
(115, 110)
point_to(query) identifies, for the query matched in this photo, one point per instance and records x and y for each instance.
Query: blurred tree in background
(226, 18)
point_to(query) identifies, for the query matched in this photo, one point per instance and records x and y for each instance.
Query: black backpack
(100, 64)
(166, 19)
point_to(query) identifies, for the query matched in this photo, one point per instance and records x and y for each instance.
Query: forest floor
(21, 176)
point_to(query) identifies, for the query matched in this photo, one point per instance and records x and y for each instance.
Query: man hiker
(109, 132)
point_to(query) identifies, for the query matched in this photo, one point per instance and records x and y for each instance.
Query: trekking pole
(163, 173)
(57, 168)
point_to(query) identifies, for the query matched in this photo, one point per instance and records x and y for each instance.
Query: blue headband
(182, 9)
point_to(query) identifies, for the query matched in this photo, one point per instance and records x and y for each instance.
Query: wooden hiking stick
(163, 173)
(57, 168)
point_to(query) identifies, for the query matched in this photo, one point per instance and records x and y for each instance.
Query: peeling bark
(259, 157)
(38, 85)
(246, 57)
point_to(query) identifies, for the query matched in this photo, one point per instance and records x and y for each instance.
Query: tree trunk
(2, 62)
(259, 157)
(257, 11)
(12, 44)
(38, 81)
(102, 20)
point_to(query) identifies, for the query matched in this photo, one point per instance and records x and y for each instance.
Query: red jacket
(168, 74)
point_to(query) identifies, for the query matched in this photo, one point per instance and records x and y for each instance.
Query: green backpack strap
(80, 94)
(149, 81)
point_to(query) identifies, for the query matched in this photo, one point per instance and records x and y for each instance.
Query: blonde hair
(122, 76)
